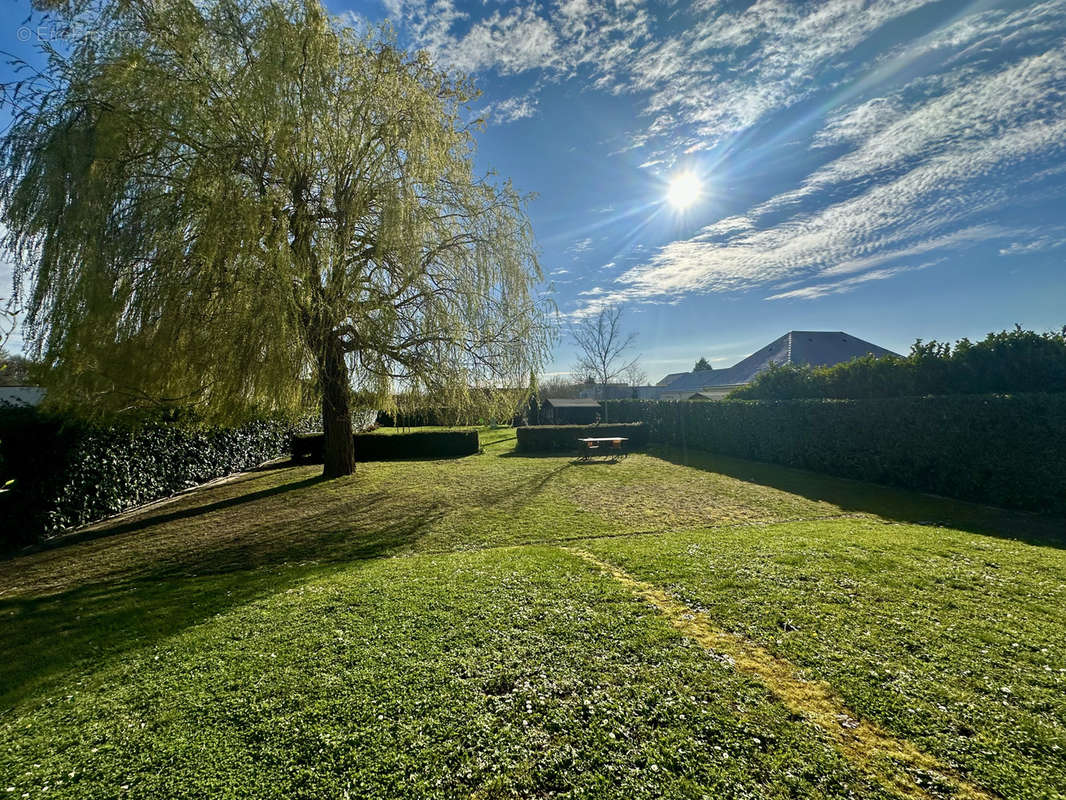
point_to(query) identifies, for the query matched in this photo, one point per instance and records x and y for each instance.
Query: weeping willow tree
(214, 203)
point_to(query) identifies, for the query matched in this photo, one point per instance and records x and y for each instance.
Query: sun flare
(685, 189)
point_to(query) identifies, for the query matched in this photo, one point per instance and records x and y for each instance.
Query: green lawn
(475, 627)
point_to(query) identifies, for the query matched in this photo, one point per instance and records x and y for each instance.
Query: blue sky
(893, 169)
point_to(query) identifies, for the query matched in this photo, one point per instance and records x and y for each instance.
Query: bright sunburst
(685, 189)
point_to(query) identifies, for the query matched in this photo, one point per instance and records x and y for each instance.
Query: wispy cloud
(847, 284)
(925, 171)
(916, 148)
(728, 70)
(934, 199)
(580, 246)
(859, 122)
(510, 110)
(927, 209)
(969, 116)
(723, 71)
(1035, 242)
(555, 39)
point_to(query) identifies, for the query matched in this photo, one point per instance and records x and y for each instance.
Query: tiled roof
(817, 348)
(694, 381)
(673, 376)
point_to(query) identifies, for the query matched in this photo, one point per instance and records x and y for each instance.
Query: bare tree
(603, 350)
(635, 375)
(559, 386)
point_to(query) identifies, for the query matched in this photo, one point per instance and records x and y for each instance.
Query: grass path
(419, 629)
(895, 764)
(950, 640)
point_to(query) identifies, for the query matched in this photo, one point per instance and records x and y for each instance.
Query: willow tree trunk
(336, 413)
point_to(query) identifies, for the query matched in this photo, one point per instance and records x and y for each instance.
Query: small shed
(570, 411)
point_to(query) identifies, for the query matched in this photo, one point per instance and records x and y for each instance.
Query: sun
(685, 189)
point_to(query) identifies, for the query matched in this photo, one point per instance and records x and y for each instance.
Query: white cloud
(846, 284)
(393, 8)
(858, 123)
(556, 39)
(725, 70)
(510, 110)
(511, 43)
(728, 70)
(1035, 242)
(967, 116)
(353, 19)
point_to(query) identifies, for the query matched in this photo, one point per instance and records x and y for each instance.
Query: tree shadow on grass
(899, 505)
(522, 493)
(146, 579)
(146, 519)
(574, 455)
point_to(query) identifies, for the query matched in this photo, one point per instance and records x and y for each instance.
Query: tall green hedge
(68, 474)
(1007, 450)
(548, 438)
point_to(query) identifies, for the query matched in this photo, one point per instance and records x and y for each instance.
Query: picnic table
(609, 446)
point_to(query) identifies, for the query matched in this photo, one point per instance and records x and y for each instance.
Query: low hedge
(549, 438)
(68, 473)
(1007, 450)
(309, 448)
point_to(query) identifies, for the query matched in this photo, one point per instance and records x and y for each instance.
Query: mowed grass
(953, 641)
(487, 674)
(418, 630)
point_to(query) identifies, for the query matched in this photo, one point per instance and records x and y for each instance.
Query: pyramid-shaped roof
(816, 348)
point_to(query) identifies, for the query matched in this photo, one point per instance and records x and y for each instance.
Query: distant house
(814, 348)
(569, 411)
(20, 396)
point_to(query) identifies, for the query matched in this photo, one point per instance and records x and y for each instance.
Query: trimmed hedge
(1007, 450)
(549, 438)
(309, 448)
(68, 474)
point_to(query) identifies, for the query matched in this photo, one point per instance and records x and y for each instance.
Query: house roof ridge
(794, 347)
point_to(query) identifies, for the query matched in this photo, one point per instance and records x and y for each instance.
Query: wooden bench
(608, 446)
